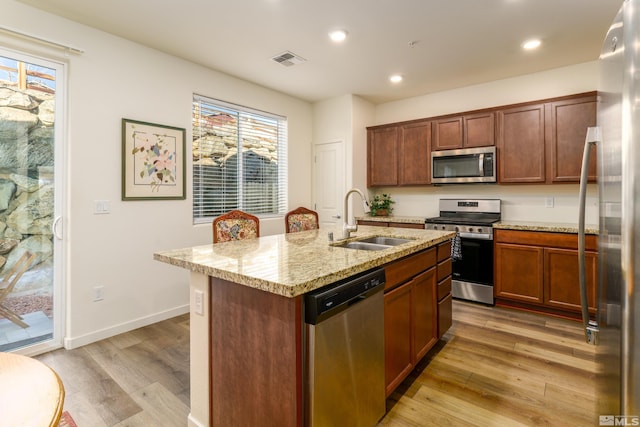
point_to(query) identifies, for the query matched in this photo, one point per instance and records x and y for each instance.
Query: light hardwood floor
(495, 367)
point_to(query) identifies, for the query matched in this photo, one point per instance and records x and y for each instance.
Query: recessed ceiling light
(338, 35)
(531, 44)
(396, 78)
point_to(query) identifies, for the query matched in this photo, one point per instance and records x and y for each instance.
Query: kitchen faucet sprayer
(346, 227)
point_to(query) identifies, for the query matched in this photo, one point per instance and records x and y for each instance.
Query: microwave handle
(481, 164)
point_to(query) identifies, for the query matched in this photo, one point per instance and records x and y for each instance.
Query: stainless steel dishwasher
(345, 352)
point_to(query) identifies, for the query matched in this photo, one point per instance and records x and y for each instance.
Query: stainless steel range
(472, 248)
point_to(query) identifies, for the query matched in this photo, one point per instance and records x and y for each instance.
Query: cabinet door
(521, 147)
(415, 153)
(479, 130)
(447, 133)
(397, 336)
(568, 129)
(561, 287)
(518, 272)
(382, 160)
(425, 319)
(445, 315)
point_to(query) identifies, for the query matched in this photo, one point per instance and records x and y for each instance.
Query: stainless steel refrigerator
(615, 329)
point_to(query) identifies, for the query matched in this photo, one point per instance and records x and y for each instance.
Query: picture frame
(153, 161)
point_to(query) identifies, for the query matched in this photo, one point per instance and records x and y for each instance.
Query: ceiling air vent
(288, 59)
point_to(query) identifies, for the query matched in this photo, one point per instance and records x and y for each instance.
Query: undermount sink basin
(364, 246)
(383, 240)
(376, 243)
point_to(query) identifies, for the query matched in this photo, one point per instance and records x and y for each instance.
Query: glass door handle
(54, 228)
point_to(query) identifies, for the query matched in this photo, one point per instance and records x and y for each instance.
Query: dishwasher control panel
(325, 301)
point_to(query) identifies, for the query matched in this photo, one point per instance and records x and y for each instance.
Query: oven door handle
(477, 236)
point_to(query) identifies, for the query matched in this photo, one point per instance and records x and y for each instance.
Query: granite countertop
(391, 218)
(295, 263)
(544, 226)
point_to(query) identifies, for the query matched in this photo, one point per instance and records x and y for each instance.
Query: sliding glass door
(31, 99)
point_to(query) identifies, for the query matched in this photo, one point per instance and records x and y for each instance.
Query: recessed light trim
(395, 78)
(338, 36)
(531, 44)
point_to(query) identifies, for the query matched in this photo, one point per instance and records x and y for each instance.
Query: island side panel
(256, 356)
(199, 355)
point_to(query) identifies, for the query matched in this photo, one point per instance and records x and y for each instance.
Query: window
(239, 160)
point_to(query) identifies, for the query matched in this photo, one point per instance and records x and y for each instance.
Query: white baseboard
(192, 422)
(75, 342)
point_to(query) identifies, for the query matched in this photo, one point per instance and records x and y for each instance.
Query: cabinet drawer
(542, 238)
(374, 223)
(444, 288)
(444, 251)
(402, 270)
(407, 225)
(444, 269)
(445, 311)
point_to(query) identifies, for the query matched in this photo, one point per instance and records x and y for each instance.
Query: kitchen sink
(364, 246)
(383, 240)
(376, 243)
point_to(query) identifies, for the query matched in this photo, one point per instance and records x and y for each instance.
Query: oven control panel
(470, 231)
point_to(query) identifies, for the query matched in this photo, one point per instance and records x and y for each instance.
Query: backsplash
(519, 202)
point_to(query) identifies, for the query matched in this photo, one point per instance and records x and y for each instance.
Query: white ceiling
(457, 42)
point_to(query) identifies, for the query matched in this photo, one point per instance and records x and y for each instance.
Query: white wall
(520, 202)
(345, 118)
(111, 80)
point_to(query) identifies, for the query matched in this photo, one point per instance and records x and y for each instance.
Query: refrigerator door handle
(590, 326)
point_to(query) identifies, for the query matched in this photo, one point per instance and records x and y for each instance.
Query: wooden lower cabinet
(417, 309)
(519, 272)
(538, 271)
(397, 336)
(443, 289)
(410, 326)
(424, 311)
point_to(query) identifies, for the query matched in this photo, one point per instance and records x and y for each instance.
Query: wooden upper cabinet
(569, 120)
(467, 131)
(382, 160)
(537, 142)
(399, 154)
(479, 130)
(447, 133)
(414, 154)
(521, 144)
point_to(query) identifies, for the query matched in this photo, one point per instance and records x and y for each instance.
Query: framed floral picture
(153, 161)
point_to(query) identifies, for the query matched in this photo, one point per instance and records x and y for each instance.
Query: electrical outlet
(198, 303)
(98, 293)
(548, 202)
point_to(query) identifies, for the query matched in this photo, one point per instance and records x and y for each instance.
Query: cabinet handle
(590, 326)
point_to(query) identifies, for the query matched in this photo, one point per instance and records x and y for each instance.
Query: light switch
(102, 207)
(548, 202)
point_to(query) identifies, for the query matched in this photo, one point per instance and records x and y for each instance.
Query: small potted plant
(380, 205)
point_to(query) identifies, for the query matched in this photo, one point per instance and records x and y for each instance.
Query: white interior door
(329, 182)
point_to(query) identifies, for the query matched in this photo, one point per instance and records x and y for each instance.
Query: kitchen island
(246, 318)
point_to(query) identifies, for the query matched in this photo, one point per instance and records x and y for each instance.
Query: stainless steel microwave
(465, 165)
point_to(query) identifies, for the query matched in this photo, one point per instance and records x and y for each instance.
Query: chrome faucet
(346, 227)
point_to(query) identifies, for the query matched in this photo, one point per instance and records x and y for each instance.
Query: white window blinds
(239, 160)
